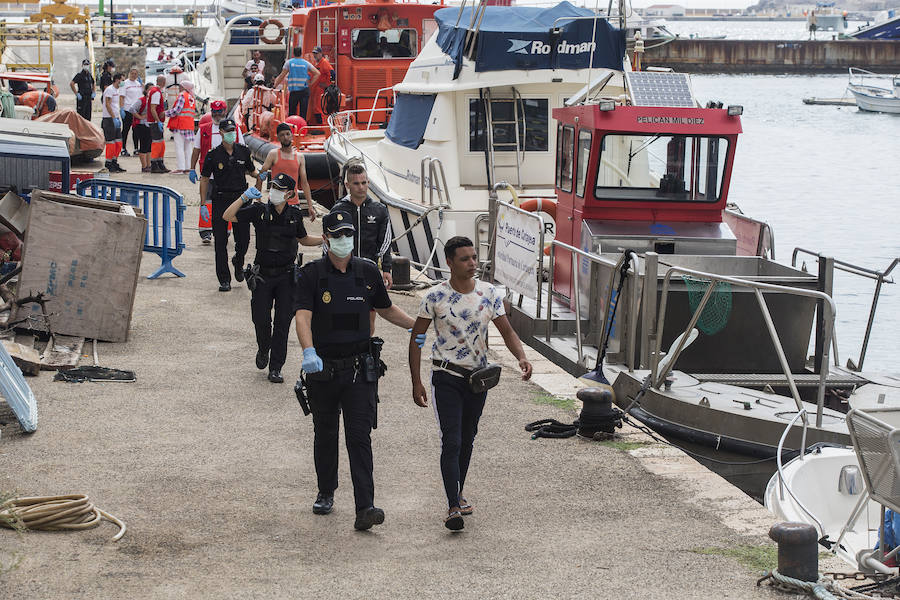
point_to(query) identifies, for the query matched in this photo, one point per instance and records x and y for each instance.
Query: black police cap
(336, 221)
(227, 125)
(283, 181)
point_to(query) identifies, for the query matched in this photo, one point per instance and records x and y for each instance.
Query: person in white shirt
(461, 309)
(111, 124)
(255, 64)
(131, 90)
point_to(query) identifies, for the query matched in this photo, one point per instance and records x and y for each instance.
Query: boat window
(677, 168)
(533, 130)
(583, 157)
(390, 43)
(565, 151)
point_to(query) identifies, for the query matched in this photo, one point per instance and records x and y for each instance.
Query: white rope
(824, 588)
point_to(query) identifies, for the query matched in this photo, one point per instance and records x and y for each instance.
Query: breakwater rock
(128, 35)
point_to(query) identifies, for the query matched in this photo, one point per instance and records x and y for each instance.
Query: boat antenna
(593, 41)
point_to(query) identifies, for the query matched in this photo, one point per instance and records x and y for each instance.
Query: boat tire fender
(262, 31)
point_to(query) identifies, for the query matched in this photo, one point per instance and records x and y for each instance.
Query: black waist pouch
(483, 379)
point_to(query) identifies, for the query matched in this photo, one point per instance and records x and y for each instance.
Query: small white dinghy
(871, 97)
(822, 489)
(844, 492)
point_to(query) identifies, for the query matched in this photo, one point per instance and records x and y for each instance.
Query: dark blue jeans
(458, 410)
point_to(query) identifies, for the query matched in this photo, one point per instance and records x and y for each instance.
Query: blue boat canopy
(409, 119)
(523, 37)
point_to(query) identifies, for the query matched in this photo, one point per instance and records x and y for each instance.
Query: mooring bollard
(798, 550)
(400, 272)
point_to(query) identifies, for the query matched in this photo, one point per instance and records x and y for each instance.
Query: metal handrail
(434, 184)
(780, 467)
(375, 104)
(337, 133)
(582, 253)
(880, 277)
(757, 288)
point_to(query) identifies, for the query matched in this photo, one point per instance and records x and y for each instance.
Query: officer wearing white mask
(279, 229)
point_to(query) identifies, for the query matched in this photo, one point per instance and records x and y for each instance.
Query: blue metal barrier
(164, 236)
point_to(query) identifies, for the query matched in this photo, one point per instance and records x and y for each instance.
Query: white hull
(814, 481)
(875, 99)
(462, 183)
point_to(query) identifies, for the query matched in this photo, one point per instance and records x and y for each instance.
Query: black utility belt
(272, 271)
(365, 368)
(220, 192)
(479, 380)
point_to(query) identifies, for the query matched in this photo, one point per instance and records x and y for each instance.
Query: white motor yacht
(474, 113)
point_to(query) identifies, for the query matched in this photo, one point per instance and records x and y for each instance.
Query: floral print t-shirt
(461, 322)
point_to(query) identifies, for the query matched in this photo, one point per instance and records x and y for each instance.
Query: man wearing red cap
(207, 138)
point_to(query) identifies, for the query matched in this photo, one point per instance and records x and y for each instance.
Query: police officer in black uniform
(334, 296)
(279, 228)
(83, 87)
(228, 163)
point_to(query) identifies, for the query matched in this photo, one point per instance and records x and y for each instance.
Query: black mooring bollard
(798, 550)
(400, 273)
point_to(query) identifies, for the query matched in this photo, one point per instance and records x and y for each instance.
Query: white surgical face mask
(341, 246)
(85, 68)
(276, 197)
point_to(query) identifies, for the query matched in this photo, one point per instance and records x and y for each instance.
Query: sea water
(826, 179)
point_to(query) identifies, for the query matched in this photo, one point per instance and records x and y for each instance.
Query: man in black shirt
(229, 163)
(334, 295)
(83, 87)
(279, 227)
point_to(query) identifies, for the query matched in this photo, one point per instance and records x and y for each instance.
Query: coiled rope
(824, 588)
(55, 513)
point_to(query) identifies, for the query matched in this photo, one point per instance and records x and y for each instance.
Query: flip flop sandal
(454, 521)
(465, 508)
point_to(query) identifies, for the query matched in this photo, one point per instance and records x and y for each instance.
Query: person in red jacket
(325, 79)
(156, 117)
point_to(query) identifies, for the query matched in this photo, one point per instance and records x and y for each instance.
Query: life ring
(544, 205)
(262, 31)
(540, 205)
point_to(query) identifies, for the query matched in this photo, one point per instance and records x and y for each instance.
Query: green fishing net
(718, 308)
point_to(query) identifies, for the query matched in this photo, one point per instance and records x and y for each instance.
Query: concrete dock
(211, 467)
(773, 56)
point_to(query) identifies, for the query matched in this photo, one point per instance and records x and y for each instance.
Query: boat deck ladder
(517, 145)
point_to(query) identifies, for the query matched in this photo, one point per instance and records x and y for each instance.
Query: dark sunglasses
(341, 233)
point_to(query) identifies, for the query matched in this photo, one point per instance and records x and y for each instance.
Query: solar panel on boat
(649, 88)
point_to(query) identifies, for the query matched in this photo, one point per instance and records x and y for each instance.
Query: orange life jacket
(185, 119)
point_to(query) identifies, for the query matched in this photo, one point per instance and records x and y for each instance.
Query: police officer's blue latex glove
(311, 361)
(117, 123)
(204, 213)
(93, 95)
(420, 338)
(192, 175)
(263, 175)
(252, 193)
(122, 113)
(78, 95)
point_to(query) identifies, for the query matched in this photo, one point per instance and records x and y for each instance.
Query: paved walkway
(211, 467)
